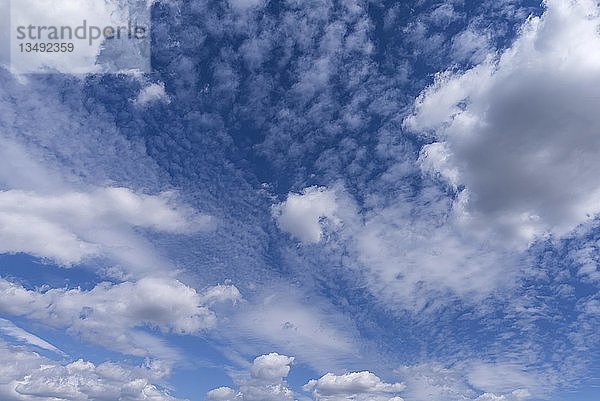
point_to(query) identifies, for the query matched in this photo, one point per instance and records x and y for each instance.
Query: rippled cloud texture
(317, 200)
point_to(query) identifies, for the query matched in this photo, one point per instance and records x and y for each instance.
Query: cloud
(474, 380)
(517, 395)
(27, 13)
(270, 367)
(434, 382)
(92, 52)
(444, 15)
(26, 376)
(266, 382)
(359, 386)
(471, 45)
(223, 394)
(503, 378)
(154, 92)
(282, 319)
(588, 259)
(8, 328)
(416, 252)
(470, 380)
(420, 257)
(300, 215)
(519, 132)
(72, 226)
(340, 119)
(108, 314)
(221, 293)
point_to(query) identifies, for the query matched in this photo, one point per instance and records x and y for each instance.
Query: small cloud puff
(266, 382)
(301, 214)
(151, 94)
(271, 367)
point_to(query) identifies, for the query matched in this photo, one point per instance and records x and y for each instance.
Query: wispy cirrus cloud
(8, 328)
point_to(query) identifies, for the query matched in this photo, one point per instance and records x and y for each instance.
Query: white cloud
(471, 45)
(521, 132)
(84, 58)
(266, 382)
(281, 319)
(108, 314)
(73, 188)
(8, 328)
(72, 226)
(271, 366)
(503, 378)
(474, 380)
(60, 13)
(591, 306)
(470, 380)
(417, 254)
(221, 293)
(516, 395)
(223, 394)
(588, 259)
(300, 215)
(154, 92)
(358, 386)
(444, 15)
(434, 382)
(419, 257)
(26, 376)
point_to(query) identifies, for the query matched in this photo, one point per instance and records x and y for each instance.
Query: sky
(311, 200)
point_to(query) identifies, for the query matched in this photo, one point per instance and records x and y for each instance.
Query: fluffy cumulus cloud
(301, 215)
(266, 382)
(109, 313)
(71, 226)
(27, 376)
(359, 386)
(271, 367)
(518, 133)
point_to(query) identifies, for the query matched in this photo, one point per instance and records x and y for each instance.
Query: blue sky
(317, 200)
